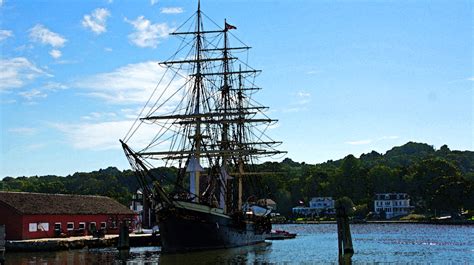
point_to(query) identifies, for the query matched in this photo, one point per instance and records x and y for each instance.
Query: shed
(29, 215)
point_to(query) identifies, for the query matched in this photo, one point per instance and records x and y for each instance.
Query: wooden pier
(54, 244)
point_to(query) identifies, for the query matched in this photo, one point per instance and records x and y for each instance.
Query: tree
(422, 175)
(384, 179)
(450, 194)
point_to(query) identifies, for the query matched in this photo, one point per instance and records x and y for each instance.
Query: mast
(195, 168)
(224, 191)
(240, 140)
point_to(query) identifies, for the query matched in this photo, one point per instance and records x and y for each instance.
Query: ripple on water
(315, 244)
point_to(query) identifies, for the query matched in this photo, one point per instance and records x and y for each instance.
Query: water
(315, 244)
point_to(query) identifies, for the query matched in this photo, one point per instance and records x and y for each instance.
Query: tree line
(439, 181)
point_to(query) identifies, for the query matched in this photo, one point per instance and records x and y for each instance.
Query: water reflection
(315, 244)
(242, 255)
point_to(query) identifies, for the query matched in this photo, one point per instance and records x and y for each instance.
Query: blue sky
(343, 77)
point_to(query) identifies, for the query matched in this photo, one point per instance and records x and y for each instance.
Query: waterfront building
(38, 215)
(392, 204)
(142, 205)
(317, 206)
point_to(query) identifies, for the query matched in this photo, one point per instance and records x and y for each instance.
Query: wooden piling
(344, 237)
(124, 239)
(2, 244)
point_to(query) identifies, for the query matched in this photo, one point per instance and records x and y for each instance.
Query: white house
(393, 204)
(317, 205)
(142, 205)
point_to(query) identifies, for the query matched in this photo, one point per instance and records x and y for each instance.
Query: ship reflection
(241, 255)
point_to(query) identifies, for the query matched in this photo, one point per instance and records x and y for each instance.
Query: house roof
(43, 203)
(391, 196)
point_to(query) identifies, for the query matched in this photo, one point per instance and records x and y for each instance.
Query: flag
(229, 26)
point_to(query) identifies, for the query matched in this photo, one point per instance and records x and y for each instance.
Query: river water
(315, 244)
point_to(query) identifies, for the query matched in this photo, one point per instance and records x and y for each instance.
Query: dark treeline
(437, 180)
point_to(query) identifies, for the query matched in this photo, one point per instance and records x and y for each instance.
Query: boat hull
(184, 229)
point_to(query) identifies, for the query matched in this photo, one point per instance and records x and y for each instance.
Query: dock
(79, 242)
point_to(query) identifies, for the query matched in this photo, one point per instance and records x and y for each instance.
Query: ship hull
(194, 227)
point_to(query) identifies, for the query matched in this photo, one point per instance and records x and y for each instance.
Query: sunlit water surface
(315, 244)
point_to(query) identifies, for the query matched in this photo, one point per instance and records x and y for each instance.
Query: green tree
(422, 174)
(450, 194)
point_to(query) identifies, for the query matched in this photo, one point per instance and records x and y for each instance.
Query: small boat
(280, 235)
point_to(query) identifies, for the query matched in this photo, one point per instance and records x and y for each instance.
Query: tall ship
(203, 120)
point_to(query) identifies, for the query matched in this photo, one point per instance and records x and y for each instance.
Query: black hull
(184, 229)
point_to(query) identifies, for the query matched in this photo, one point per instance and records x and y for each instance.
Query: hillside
(441, 180)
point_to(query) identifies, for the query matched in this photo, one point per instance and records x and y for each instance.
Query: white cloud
(299, 102)
(55, 53)
(35, 146)
(97, 20)
(17, 72)
(99, 115)
(103, 135)
(359, 142)
(40, 33)
(153, 2)
(471, 78)
(108, 49)
(8, 101)
(147, 34)
(28, 131)
(313, 72)
(390, 137)
(32, 94)
(5, 34)
(41, 92)
(369, 141)
(172, 10)
(24, 47)
(133, 83)
(303, 97)
(274, 125)
(54, 86)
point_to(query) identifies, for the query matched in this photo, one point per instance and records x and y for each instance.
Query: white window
(43, 226)
(82, 226)
(103, 225)
(57, 226)
(33, 227)
(70, 226)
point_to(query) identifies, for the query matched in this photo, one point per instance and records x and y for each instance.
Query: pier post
(124, 239)
(344, 237)
(2, 244)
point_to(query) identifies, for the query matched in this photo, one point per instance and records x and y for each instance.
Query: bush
(414, 217)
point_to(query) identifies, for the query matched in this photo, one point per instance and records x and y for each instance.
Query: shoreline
(433, 222)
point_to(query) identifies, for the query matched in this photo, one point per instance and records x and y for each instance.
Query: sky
(342, 77)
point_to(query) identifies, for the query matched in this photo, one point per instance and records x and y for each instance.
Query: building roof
(391, 196)
(43, 203)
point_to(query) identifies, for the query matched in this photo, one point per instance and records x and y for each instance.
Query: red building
(38, 215)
